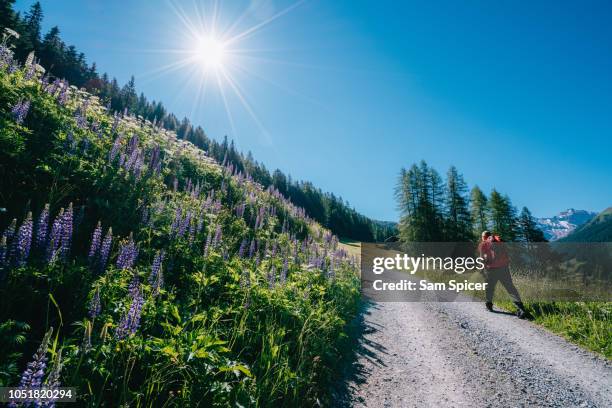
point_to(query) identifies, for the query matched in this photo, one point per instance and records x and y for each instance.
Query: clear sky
(517, 95)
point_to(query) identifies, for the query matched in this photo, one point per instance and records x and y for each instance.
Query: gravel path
(456, 354)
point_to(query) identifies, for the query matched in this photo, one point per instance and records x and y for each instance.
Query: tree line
(64, 61)
(437, 210)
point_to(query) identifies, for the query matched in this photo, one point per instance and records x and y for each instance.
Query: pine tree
(458, 221)
(503, 216)
(420, 198)
(479, 211)
(528, 230)
(7, 17)
(30, 38)
(129, 97)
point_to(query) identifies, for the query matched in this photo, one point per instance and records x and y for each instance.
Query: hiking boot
(489, 306)
(521, 313)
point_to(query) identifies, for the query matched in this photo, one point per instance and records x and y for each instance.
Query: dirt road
(456, 354)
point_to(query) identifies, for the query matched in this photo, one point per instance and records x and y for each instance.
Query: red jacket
(494, 253)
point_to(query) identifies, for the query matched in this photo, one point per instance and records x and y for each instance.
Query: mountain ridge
(598, 229)
(563, 224)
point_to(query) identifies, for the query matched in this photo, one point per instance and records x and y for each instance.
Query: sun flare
(210, 52)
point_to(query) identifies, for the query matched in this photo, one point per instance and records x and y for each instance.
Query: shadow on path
(354, 373)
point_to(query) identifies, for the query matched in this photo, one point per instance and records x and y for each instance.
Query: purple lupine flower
(62, 98)
(30, 71)
(115, 121)
(95, 306)
(217, 239)
(242, 248)
(7, 237)
(155, 162)
(24, 240)
(156, 279)
(20, 111)
(115, 149)
(3, 253)
(331, 272)
(283, 276)
(80, 115)
(32, 376)
(53, 381)
(131, 320)
(156, 267)
(105, 249)
(122, 158)
(95, 241)
(252, 248)
(67, 220)
(9, 232)
(272, 277)
(42, 227)
(128, 252)
(178, 216)
(184, 224)
(240, 210)
(55, 237)
(208, 243)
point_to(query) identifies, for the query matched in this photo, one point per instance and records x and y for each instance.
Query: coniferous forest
(434, 209)
(65, 62)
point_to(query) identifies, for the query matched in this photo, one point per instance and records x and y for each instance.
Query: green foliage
(217, 333)
(588, 324)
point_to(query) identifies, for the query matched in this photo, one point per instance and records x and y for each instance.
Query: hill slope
(599, 229)
(159, 276)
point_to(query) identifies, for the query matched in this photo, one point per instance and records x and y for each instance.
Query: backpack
(500, 253)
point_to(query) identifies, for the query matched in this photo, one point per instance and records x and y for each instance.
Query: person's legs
(491, 278)
(506, 280)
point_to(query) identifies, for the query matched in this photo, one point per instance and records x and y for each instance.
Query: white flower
(11, 32)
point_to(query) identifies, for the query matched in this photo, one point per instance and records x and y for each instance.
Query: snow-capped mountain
(564, 223)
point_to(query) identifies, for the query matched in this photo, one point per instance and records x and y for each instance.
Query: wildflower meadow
(144, 273)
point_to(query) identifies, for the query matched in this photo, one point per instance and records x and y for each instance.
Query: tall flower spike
(3, 255)
(20, 111)
(95, 306)
(156, 267)
(128, 253)
(105, 249)
(95, 241)
(53, 381)
(242, 248)
(67, 221)
(32, 376)
(42, 227)
(55, 237)
(24, 240)
(131, 320)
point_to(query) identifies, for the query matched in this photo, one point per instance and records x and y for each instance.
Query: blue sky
(517, 95)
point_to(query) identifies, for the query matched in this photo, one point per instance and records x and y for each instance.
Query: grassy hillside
(160, 277)
(599, 229)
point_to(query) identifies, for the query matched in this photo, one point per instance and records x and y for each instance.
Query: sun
(210, 52)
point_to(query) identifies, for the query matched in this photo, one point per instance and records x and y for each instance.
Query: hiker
(492, 250)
